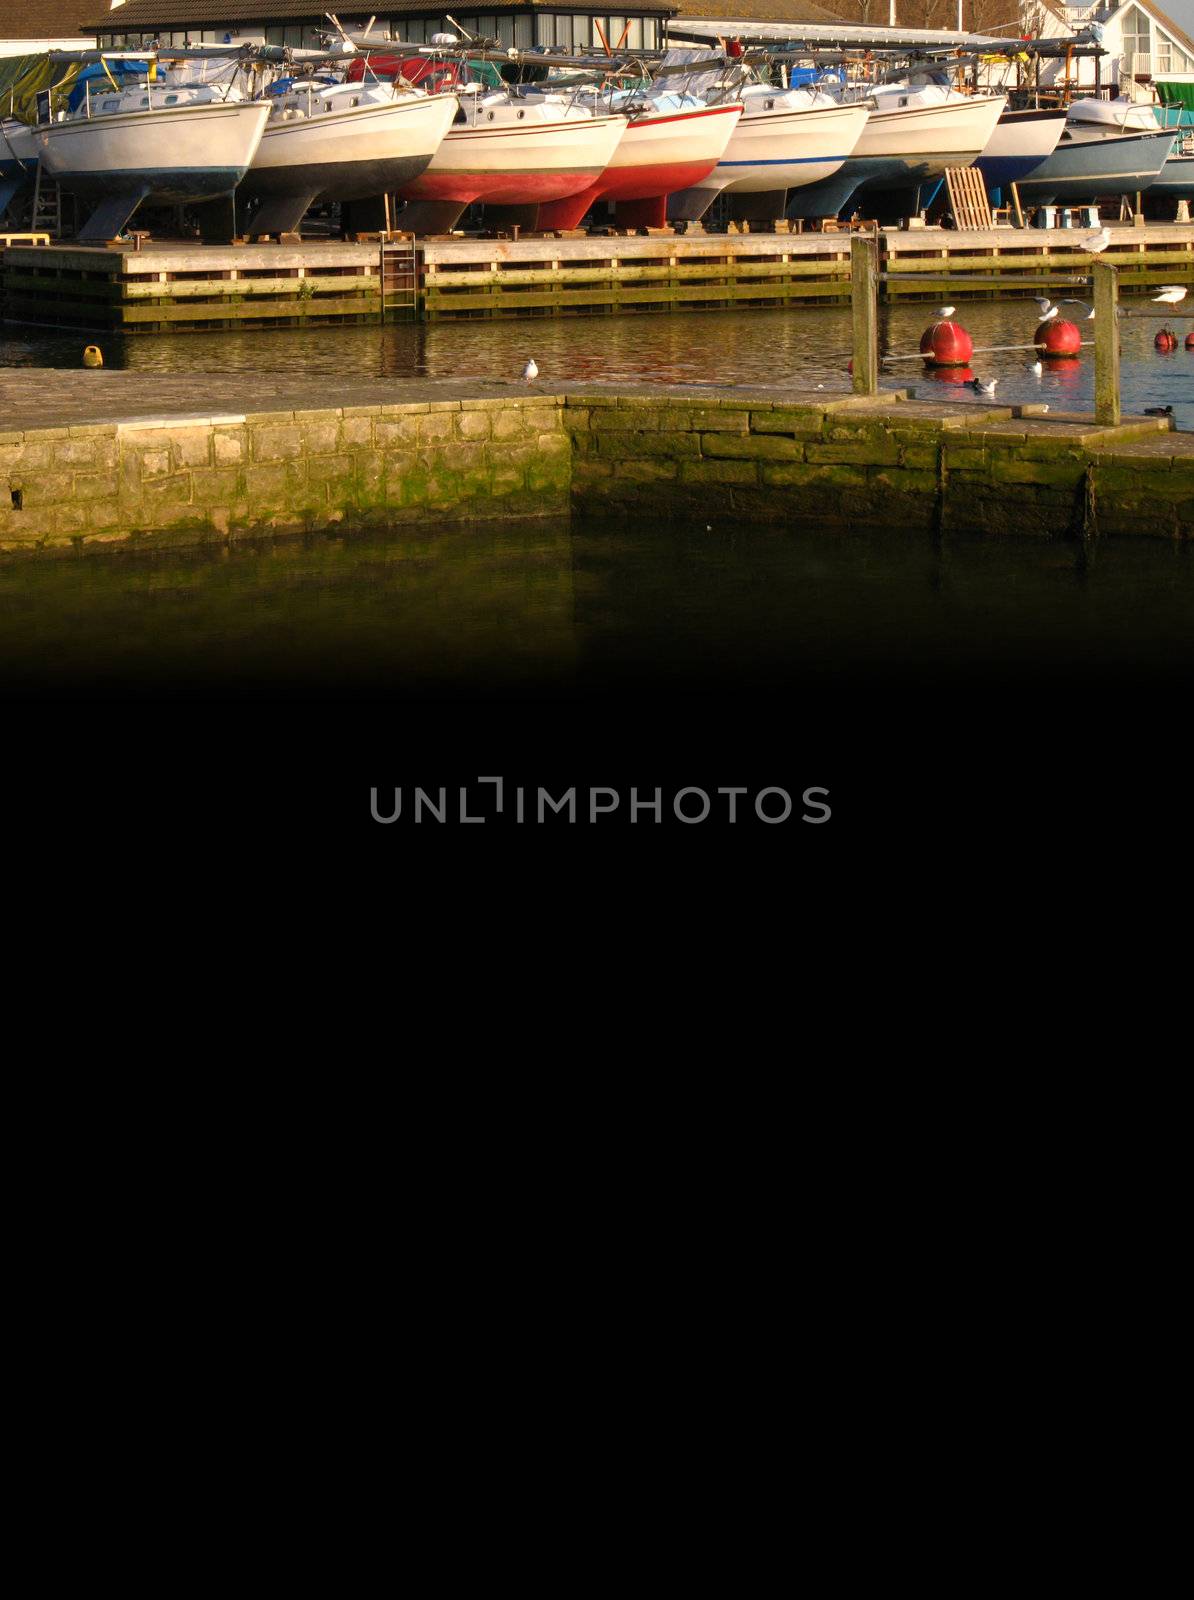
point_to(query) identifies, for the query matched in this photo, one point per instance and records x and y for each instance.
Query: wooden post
(864, 292)
(1106, 332)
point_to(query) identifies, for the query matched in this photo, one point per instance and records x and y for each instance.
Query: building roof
(785, 11)
(137, 16)
(47, 19)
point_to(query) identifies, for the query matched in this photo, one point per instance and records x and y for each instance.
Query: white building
(1141, 42)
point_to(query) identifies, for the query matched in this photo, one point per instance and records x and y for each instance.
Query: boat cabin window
(171, 99)
(111, 105)
(144, 99)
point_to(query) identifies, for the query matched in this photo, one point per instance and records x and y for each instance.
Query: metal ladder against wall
(399, 278)
(47, 204)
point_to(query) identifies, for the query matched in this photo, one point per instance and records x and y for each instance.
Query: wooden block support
(864, 286)
(1106, 331)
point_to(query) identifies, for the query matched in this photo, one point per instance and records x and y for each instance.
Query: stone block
(321, 438)
(75, 453)
(719, 472)
(656, 471)
(624, 446)
(277, 443)
(390, 433)
(155, 463)
(355, 431)
(97, 485)
(265, 486)
(617, 420)
(803, 421)
(436, 427)
(191, 447)
(214, 484)
(869, 453)
(227, 448)
(472, 424)
(904, 480)
(754, 446)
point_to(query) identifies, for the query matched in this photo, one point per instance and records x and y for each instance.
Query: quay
(123, 458)
(160, 286)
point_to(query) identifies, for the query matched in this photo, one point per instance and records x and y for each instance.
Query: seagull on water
(983, 386)
(1096, 242)
(530, 372)
(1170, 293)
(1036, 369)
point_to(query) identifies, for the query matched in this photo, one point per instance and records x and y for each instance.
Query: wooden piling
(864, 296)
(1106, 332)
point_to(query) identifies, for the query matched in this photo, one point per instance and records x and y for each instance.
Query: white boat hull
(180, 153)
(772, 151)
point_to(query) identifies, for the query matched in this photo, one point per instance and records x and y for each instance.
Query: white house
(1141, 42)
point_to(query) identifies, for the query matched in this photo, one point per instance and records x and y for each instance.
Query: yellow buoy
(93, 356)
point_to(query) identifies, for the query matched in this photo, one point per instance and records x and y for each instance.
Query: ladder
(47, 205)
(399, 280)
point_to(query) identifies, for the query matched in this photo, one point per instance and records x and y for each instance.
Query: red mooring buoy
(1166, 340)
(946, 344)
(1190, 341)
(1058, 339)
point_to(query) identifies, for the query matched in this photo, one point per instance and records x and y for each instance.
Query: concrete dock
(129, 457)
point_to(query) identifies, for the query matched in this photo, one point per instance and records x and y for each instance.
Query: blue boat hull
(856, 176)
(1176, 181)
(1087, 169)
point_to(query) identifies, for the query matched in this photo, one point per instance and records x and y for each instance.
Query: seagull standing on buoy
(944, 313)
(1170, 293)
(530, 372)
(1096, 242)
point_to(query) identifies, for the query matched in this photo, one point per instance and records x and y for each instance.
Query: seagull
(943, 313)
(979, 387)
(1170, 293)
(1048, 309)
(1089, 309)
(530, 372)
(1036, 369)
(1096, 241)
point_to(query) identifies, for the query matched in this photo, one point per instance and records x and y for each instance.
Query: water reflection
(805, 347)
(541, 608)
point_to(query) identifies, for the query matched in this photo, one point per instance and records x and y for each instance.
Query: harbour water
(544, 609)
(802, 348)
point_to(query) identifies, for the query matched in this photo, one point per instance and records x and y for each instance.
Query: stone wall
(189, 479)
(968, 467)
(659, 453)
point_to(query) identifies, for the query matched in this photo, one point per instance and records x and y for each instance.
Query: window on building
(524, 32)
(1137, 40)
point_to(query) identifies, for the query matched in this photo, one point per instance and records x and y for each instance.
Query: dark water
(950, 697)
(543, 609)
(804, 346)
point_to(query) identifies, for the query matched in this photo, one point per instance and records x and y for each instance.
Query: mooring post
(864, 294)
(1106, 332)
